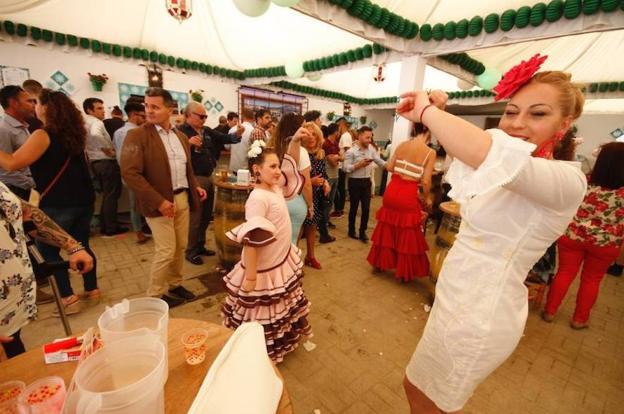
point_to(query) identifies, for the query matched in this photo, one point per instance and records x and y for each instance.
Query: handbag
(35, 198)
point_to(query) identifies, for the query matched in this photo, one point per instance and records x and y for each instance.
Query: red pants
(595, 260)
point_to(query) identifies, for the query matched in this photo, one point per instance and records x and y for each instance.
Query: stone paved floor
(366, 327)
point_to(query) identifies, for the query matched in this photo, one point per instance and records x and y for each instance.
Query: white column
(412, 78)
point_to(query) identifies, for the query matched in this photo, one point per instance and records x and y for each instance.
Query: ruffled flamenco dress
(278, 301)
(398, 241)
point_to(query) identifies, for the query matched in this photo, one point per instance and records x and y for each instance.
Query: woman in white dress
(515, 202)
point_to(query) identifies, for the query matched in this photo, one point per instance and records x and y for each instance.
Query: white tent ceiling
(217, 33)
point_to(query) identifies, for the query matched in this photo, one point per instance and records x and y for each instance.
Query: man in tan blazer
(155, 164)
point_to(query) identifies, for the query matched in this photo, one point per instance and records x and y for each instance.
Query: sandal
(71, 305)
(92, 296)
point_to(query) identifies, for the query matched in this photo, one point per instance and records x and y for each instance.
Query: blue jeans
(135, 216)
(75, 221)
(297, 209)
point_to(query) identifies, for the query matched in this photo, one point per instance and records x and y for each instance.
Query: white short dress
(513, 207)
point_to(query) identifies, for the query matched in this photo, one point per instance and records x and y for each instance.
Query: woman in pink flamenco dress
(265, 286)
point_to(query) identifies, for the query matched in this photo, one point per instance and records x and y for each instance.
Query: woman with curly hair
(55, 155)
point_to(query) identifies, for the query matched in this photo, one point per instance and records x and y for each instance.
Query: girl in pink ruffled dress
(265, 286)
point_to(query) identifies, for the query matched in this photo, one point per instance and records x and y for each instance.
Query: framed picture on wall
(278, 103)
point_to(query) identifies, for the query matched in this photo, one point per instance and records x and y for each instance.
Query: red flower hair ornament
(517, 76)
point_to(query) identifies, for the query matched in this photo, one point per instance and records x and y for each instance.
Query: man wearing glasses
(204, 142)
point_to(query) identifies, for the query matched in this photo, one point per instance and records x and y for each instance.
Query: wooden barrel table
(229, 212)
(445, 237)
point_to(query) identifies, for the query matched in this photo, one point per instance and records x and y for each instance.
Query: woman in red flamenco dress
(398, 241)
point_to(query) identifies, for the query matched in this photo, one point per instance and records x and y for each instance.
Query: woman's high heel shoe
(312, 262)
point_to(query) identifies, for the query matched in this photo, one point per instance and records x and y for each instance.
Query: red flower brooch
(517, 76)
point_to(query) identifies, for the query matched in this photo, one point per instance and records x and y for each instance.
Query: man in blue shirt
(358, 164)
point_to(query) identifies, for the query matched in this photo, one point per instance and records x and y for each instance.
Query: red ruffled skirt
(398, 241)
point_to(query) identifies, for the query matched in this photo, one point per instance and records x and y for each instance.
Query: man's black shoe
(183, 293)
(196, 260)
(615, 269)
(119, 230)
(326, 239)
(352, 235)
(207, 252)
(331, 225)
(363, 238)
(171, 301)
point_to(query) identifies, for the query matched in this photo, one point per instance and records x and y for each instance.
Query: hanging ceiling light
(180, 9)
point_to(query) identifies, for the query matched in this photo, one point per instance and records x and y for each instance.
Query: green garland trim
(524, 16)
(379, 17)
(333, 95)
(465, 62)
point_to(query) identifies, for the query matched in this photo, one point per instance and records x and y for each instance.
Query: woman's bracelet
(76, 249)
(423, 113)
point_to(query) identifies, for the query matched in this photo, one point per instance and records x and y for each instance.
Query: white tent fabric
(218, 34)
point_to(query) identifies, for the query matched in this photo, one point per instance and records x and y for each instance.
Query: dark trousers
(76, 221)
(15, 347)
(359, 192)
(108, 174)
(199, 219)
(341, 193)
(330, 200)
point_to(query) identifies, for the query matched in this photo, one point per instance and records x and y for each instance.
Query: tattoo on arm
(47, 230)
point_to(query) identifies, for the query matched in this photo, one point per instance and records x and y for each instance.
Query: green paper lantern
(187, 64)
(375, 17)
(461, 29)
(621, 87)
(106, 48)
(136, 53)
(449, 30)
(538, 14)
(202, 67)
(437, 31)
(491, 22)
(153, 56)
(209, 69)
(351, 56)
(127, 52)
(413, 31)
(47, 35)
(572, 9)
(469, 94)
(116, 50)
(171, 61)
(342, 59)
(613, 86)
(35, 33)
(608, 6)
(22, 30)
(385, 18)
(603, 86)
(9, 27)
(96, 46)
(554, 10)
(60, 39)
(84, 43)
(463, 94)
(145, 54)
(425, 32)
(508, 20)
(368, 51)
(359, 53)
(377, 49)
(194, 65)
(179, 62)
(590, 7)
(306, 66)
(72, 40)
(475, 26)
(162, 58)
(522, 17)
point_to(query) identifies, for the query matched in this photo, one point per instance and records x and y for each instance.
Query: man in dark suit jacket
(155, 164)
(205, 143)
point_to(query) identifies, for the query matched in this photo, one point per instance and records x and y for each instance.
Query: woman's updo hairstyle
(571, 97)
(259, 158)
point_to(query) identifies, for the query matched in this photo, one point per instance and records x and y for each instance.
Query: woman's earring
(559, 135)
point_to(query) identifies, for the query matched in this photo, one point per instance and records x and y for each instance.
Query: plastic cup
(9, 394)
(44, 396)
(195, 347)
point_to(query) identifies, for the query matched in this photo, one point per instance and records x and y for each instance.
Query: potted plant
(197, 95)
(97, 81)
(363, 120)
(331, 115)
